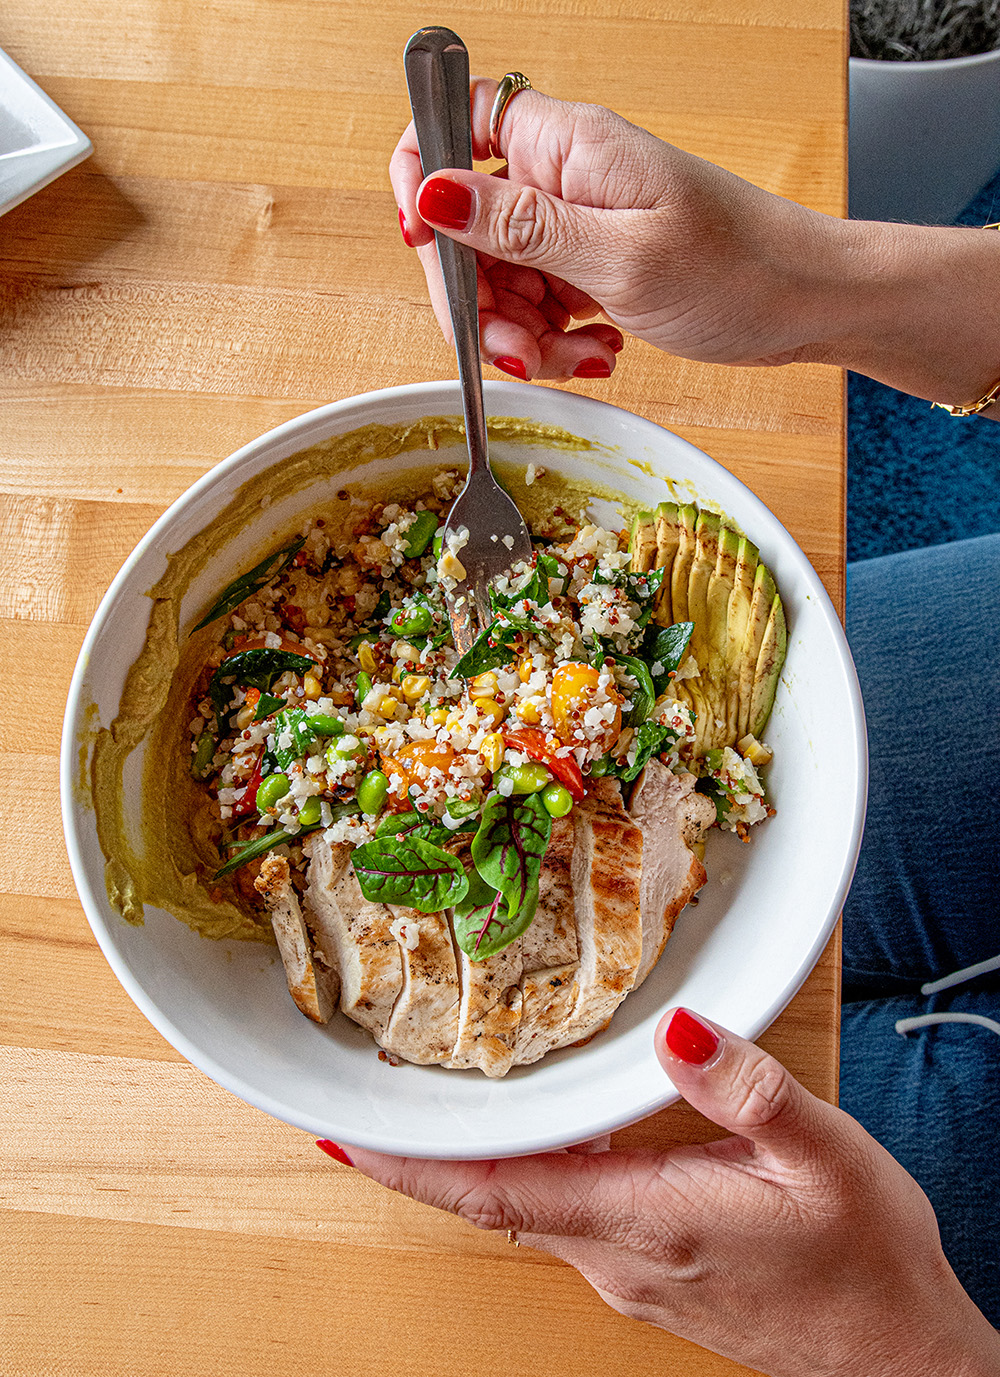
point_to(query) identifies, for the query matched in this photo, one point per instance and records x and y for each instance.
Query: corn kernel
(388, 707)
(381, 737)
(415, 686)
(525, 669)
(484, 685)
(437, 717)
(491, 750)
(402, 650)
(397, 674)
(489, 707)
(245, 716)
(366, 658)
(453, 719)
(528, 712)
(311, 687)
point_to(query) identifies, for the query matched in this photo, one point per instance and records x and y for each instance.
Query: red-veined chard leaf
(404, 869)
(482, 925)
(507, 852)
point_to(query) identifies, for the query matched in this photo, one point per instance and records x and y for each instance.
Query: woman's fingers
(592, 1195)
(742, 1089)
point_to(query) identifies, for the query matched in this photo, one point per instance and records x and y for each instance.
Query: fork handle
(436, 62)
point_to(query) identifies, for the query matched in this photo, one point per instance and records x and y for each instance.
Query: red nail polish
(332, 1150)
(592, 368)
(616, 346)
(441, 202)
(403, 230)
(514, 367)
(689, 1039)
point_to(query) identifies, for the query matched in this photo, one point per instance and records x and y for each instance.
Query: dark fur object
(923, 30)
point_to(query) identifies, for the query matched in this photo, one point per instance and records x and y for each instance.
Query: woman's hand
(593, 214)
(797, 1246)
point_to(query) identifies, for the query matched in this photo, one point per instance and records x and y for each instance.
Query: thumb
(744, 1090)
(519, 224)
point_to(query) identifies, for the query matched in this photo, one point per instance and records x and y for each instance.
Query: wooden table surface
(228, 258)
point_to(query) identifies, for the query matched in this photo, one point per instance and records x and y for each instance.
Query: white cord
(907, 1025)
(959, 977)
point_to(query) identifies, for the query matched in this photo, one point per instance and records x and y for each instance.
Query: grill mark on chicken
(312, 986)
(490, 1011)
(673, 819)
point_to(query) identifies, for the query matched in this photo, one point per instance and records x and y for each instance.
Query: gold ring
(511, 83)
(512, 1237)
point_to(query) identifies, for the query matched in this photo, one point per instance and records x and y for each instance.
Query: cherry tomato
(537, 746)
(574, 688)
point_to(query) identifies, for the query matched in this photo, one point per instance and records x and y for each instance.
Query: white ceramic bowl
(738, 957)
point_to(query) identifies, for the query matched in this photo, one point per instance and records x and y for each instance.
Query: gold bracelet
(988, 398)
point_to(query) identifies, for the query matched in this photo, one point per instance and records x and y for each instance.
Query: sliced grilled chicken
(605, 869)
(313, 986)
(489, 1012)
(673, 819)
(424, 1023)
(551, 939)
(355, 937)
(549, 998)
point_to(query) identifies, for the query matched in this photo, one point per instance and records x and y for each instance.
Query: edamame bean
(363, 687)
(325, 724)
(309, 813)
(462, 808)
(418, 536)
(412, 621)
(347, 748)
(600, 767)
(558, 801)
(373, 792)
(201, 761)
(270, 790)
(526, 779)
(438, 545)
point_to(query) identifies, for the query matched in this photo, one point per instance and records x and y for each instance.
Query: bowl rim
(72, 816)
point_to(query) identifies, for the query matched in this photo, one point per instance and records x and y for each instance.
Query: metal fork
(437, 77)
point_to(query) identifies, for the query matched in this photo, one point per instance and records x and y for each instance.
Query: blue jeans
(924, 627)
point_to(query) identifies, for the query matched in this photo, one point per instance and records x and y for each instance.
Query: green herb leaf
(644, 694)
(250, 850)
(260, 575)
(267, 703)
(490, 650)
(256, 668)
(650, 739)
(405, 869)
(667, 646)
(507, 852)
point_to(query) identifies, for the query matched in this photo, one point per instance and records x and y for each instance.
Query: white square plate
(37, 141)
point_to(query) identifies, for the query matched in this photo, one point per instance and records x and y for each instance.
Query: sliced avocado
(703, 693)
(720, 591)
(642, 542)
(681, 570)
(760, 610)
(769, 662)
(667, 540)
(739, 617)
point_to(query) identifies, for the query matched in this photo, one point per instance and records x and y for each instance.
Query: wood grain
(227, 259)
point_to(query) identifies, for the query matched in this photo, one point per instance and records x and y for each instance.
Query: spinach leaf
(667, 646)
(650, 739)
(507, 851)
(490, 650)
(641, 588)
(643, 695)
(256, 668)
(482, 927)
(405, 869)
(534, 587)
(260, 575)
(296, 721)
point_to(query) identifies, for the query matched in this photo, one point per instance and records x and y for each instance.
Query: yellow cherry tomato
(574, 689)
